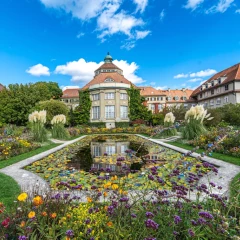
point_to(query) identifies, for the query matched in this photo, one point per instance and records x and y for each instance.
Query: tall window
(123, 148)
(218, 101)
(152, 107)
(160, 107)
(226, 99)
(110, 150)
(109, 111)
(226, 87)
(123, 96)
(96, 151)
(109, 95)
(95, 97)
(96, 112)
(124, 111)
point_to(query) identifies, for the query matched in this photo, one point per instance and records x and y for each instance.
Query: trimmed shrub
(122, 124)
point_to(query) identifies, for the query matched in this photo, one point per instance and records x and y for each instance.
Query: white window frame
(109, 95)
(212, 103)
(110, 150)
(226, 99)
(96, 97)
(218, 102)
(123, 96)
(95, 112)
(160, 107)
(123, 148)
(96, 151)
(109, 111)
(124, 111)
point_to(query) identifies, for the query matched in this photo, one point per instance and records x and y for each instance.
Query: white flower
(169, 117)
(38, 116)
(58, 119)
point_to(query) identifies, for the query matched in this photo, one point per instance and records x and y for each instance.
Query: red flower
(5, 223)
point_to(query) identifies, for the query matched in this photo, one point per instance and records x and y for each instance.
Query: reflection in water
(108, 152)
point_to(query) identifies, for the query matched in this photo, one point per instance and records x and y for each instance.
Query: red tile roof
(100, 78)
(71, 93)
(150, 91)
(108, 66)
(232, 73)
(178, 93)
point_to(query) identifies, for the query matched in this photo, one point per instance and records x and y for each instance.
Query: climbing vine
(82, 112)
(136, 108)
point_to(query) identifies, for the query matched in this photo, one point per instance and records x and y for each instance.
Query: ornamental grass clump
(58, 129)
(194, 122)
(170, 129)
(37, 121)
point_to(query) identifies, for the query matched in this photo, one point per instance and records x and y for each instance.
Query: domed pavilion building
(108, 93)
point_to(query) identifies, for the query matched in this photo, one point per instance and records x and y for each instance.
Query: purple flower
(89, 231)
(150, 177)
(123, 199)
(151, 224)
(149, 215)
(201, 221)
(177, 219)
(191, 233)
(206, 215)
(69, 233)
(150, 238)
(133, 215)
(87, 221)
(22, 238)
(212, 184)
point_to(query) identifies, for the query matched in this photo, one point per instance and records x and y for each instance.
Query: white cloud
(193, 4)
(142, 34)
(237, 11)
(141, 5)
(221, 7)
(195, 80)
(203, 73)
(110, 18)
(162, 15)
(82, 71)
(38, 70)
(81, 34)
(181, 75)
(129, 45)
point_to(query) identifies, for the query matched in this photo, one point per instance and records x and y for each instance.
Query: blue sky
(163, 43)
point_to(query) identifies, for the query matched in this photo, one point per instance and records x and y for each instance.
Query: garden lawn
(220, 156)
(235, 187)
(12, 160)
(9, 190)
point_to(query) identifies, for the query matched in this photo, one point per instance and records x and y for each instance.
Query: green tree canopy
(18, 100)
(53, 108)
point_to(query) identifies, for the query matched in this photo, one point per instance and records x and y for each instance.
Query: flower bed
(12, 146)
(230, 145)
(74, 131)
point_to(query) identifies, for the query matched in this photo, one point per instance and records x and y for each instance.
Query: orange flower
(44, 214)
(31, 214)
(105, 194)
(109, 224)
(22, 224)
(106, 208)
(89, 199)
(53, 215)
(37, 201)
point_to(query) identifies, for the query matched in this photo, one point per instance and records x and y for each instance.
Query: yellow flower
(31, 214)
(22, 224)
(22, 197)
(53, 215)
(37, 201)
(109, 224)
(89, 199)
(114, 186)
(44, 214)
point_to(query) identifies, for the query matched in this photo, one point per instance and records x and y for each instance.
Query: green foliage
(59, 131)
(193, 129)
(136, 108)
(158, 119)
(121, 124)
(82, 112)
(18, 100)
(178, 111)
(217, 115)
(53, 108)
(39, 131)
(231, 113)
(97, 124)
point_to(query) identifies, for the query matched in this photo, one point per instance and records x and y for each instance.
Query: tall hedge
(82, 112)
(136, 108)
